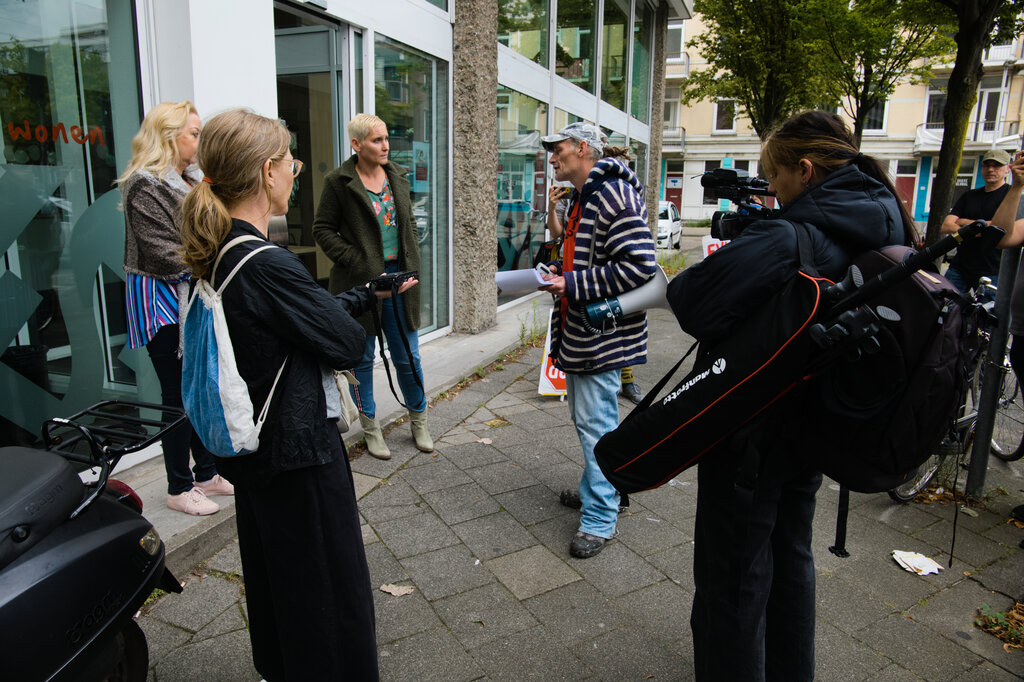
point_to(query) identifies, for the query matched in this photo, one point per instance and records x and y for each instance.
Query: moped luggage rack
(111, 431)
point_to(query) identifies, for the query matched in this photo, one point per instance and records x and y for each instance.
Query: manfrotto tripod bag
(732, 382)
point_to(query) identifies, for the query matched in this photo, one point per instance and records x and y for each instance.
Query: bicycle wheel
(1009, 422)
(920, 479)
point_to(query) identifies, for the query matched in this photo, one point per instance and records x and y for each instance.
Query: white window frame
(885, 122)
(682, 43)
(715, 130)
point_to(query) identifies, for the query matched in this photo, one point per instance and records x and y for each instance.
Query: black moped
(77, 560)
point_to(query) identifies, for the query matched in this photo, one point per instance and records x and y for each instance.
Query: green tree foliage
(758, 53)
(865, 48)
(980, 24)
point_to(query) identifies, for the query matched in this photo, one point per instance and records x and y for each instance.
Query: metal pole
(990, 379)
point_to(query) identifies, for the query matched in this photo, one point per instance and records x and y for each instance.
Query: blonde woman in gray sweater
(152, 188)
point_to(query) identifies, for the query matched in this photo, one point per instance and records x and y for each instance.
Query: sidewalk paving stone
(221, 659)
(437, 474)
(617, 570)
(210, 597)
(401, 617)
(646, 534)
(461, 503)
(475, 454)
(631, 654)
(931, 656)
(447, 571)
(530, 655)
(501, 477)
(494, 535)
(532, 505)
(848, 658)
(1004, 575)
(531, 571)
(657, 608)
(411, 535)
(484, 614)
(384, 567)
(576, 613)
(432, 655)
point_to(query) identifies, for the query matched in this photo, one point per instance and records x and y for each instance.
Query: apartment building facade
(905, 133)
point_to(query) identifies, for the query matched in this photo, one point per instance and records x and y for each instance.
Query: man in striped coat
(607, 250)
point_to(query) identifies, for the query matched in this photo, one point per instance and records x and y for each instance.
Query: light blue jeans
(402, 365)
(594, 409)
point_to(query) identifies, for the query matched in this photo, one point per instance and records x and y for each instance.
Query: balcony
(1000, 53)
(673, 139)
(980, 134)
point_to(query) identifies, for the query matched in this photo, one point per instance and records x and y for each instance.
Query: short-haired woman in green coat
(364, 224)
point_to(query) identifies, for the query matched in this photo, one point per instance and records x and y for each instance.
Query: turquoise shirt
(384, 207)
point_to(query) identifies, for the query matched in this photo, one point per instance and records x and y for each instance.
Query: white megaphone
(603, 316)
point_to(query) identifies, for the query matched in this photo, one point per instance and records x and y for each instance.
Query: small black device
(393, 280)
(737, 186)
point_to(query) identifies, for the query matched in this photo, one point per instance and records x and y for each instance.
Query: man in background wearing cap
(607, 250)
(971, 262)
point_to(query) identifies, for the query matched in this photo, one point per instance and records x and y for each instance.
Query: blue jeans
(404, 366)
(965, 284)
(594, 409)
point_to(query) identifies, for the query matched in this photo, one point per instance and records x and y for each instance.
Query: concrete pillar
(475, 167)
(653, 184)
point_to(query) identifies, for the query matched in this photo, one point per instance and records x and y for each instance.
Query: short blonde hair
(361, 125)
(155, 147)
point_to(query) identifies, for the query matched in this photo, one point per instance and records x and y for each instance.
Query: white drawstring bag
(215, 396)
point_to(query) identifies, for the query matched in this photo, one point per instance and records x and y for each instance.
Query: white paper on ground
(915, 562)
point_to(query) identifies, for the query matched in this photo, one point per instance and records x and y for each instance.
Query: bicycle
(958, 443)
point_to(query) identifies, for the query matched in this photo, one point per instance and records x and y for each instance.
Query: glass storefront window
(564, 118)
(638, 150)
(640, 105)
(68, 110)
(574, 50)
(523, 26)
(613, 54)
(522, 180)
(411, 96)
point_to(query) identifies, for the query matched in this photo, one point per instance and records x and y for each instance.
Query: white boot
(420, 434)
(375, 444)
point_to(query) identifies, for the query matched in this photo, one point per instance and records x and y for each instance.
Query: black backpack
(876, 394)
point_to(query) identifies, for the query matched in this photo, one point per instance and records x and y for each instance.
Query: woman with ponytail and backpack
(307, 584)
(753, 608)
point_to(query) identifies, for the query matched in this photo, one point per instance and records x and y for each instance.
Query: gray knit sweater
(152, 241)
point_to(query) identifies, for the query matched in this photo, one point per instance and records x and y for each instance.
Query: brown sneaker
(216, 486)
(193, 502)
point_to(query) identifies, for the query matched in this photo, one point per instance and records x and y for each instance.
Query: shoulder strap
(239, 264)
(227, 247)
(805, 250)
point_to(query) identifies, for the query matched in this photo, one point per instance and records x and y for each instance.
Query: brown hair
(232, 150)
(826, 141)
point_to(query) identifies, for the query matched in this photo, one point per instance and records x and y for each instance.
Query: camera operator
(753, 607)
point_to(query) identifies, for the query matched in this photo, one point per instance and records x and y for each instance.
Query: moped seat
(38, 492)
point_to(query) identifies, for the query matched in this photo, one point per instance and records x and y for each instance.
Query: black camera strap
(379, 328)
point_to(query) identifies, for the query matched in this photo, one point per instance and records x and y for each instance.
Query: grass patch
(672, 262)
(1007, 626)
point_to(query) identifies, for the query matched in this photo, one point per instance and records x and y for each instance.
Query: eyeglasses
(296, 166)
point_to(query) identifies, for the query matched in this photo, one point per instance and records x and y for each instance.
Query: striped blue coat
(614, 253)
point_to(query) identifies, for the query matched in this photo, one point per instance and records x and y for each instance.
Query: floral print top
(384, 208)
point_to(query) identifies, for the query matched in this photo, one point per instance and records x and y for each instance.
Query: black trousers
(753, 608)
(307, 585)
(163, 351)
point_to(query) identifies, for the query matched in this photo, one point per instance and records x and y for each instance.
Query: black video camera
(393, 280)
(736, 186)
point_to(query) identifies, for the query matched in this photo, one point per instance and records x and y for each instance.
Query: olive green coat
(346, 228)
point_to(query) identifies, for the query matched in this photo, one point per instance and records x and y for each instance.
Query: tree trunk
(960, 98)
(976, 21)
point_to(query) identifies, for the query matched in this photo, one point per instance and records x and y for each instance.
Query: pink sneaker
(193, 502)
(216, 486)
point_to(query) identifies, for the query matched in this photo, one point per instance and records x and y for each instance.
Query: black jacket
(274, 310)
(848, 212)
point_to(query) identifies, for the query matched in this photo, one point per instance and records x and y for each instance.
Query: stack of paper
(915, 562)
